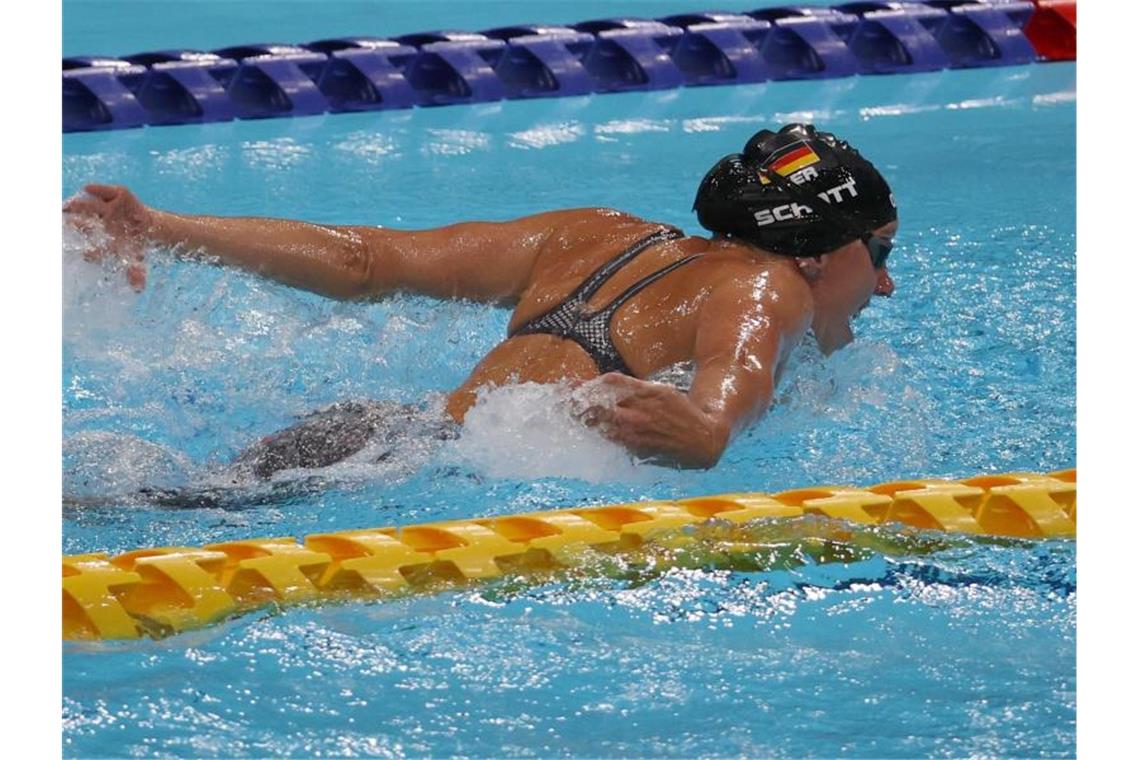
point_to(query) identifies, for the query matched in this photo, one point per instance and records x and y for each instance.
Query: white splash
(99, 465)
(1055, 98)
(977, 103)
(529, 431)
(784, 117)
(717, 123)
(900, 109)
(96, 297)
(195, 162)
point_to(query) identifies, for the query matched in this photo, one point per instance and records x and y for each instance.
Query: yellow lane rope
(161, 591)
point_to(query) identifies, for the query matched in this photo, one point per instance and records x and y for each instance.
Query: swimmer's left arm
(484, 261)
(477, 260)
(733, 386)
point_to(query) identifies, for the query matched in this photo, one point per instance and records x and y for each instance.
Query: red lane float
(1053, 29)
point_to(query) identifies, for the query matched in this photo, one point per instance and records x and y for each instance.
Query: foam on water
(96, 297)
(229, 340)
(965, 649)
(107, 467)
(532, 431)
(200, 340)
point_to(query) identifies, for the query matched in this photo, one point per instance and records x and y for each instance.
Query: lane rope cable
(162, 591)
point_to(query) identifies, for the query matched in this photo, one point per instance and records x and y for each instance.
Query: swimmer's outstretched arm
(485, 261)
(743, 335)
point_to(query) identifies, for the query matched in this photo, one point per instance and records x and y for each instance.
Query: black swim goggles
(878, 247)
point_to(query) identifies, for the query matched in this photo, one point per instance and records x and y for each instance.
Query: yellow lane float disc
(158, 592)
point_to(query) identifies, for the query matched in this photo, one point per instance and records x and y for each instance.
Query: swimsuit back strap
(602, 274)
(609, 309)
(560, 319)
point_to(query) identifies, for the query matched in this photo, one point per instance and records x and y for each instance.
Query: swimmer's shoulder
(594, 231)
(599, 221)
(736, 274)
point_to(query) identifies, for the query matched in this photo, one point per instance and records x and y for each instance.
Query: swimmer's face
(847, 283)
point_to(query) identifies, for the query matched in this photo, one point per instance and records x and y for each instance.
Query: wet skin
(735, 313)
(659, 327)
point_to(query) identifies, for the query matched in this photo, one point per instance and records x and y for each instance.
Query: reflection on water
(889, 637)
(866, 644)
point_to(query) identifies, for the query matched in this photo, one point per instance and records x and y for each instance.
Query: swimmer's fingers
(110, 203)
(590, 415)
(97, 200)
(81, 223)
(136, 274)
(631, 390)
(132, 253)
(81, 207)
(598, 417)
(621, 425)
(618, 380)
(99, 246)
(106, 193)
(660, 424)
(625, 391)
(87, 216)
(123, 218)
(90, 229)
(631, 428)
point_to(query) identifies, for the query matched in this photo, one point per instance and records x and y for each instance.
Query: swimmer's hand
(656, 422)
(125, 221)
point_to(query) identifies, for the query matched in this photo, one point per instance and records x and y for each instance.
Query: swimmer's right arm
(484, 261)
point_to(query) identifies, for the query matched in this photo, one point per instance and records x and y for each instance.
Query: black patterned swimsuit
(591, 329)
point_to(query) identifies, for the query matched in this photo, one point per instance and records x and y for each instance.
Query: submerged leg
(318, 440)
(334, 434)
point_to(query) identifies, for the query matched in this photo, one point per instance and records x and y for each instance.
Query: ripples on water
(822, 641)
(870, 645)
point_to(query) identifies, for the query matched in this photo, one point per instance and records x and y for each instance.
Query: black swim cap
(796, 192)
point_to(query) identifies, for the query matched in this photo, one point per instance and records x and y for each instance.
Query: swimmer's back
(655, 329)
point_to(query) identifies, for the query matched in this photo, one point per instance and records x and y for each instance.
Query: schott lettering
(784, 213)
(836, 193)
(790, 211)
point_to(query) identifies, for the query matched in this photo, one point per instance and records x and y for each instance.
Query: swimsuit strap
(591, 330)
(609, 309)
(602, 274)
(559, 319)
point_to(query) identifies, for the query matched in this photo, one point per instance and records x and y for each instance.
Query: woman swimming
(802, 227)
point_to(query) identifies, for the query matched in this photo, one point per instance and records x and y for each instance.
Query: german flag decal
(791, 159)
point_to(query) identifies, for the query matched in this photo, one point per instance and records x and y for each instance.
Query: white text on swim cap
(790, 211)
(785, 213)
(807, 174)
(837, 191)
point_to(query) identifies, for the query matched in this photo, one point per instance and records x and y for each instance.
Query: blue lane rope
(533, 61)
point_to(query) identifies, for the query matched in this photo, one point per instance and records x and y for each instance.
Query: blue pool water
(920, 647)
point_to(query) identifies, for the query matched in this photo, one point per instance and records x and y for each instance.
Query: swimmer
(802, 225)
